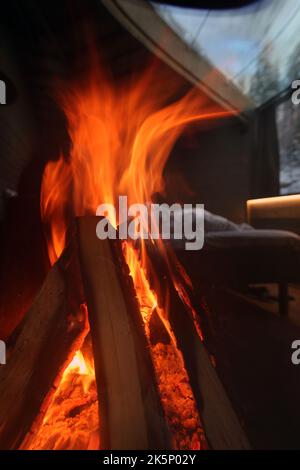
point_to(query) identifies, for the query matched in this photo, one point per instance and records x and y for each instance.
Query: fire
(122, 135)
(80, 366)
(54, 200)
(173, 382)
(145, 295)
(71, 421)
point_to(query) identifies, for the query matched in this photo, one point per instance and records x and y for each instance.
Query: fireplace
(105, 341)
(111, 352)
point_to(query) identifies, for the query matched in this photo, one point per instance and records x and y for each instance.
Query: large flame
(122, 136)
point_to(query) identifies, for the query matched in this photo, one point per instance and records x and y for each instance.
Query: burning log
(221, 424)
(71, 421)
(42, 347)
(130, 408)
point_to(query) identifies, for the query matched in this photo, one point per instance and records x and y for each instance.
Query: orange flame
(80, 366)
(71, 421)
(54, 199)
(122, 135)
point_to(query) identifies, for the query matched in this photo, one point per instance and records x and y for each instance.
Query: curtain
(265, 167)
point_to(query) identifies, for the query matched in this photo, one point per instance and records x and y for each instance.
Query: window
(288, 130)
(257, 47)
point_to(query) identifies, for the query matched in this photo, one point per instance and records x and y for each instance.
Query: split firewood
(129, 403)
(221, 424)
(44, 343)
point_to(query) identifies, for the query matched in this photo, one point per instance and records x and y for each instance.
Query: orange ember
(175, 391)
(122, 136)
(71, 421)
(177, 399)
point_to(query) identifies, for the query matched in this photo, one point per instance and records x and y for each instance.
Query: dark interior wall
(216, 164)
(16, 123)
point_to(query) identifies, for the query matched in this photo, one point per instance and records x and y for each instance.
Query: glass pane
(257, 47)
(288, 128)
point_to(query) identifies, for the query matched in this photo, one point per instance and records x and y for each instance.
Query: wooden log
(42, 347)
(221, 424)
(130, 408)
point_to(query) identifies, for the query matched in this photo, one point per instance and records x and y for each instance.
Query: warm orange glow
(175, 391)
(275, 199)
(54, 200)
(122, 135)
(145, 295)
(283, 207)
(80, 366)
(177, 398)
(71, 421)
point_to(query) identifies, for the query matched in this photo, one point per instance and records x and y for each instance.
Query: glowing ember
(176, 394)
(71, 421)
(177, 399)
